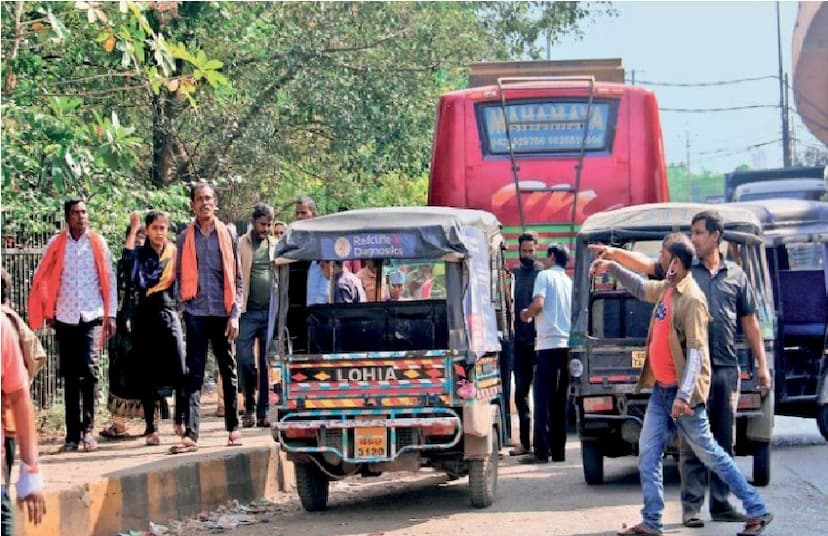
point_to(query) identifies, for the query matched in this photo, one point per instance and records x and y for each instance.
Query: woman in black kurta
(159, 344)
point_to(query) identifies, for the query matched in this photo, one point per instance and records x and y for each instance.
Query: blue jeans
(658, 429)
(252, 327)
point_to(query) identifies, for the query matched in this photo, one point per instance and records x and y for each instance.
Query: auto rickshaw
(796, 245)
(609, 330)
(407, 380)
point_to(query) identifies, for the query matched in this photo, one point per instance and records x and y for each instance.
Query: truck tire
(312, 485)
(761, 464)
(593, 461)
(822, 420)
(483, 476)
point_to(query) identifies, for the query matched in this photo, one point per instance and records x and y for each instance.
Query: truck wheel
(822, 421)
(761, 464)
(593, 462)
(483, 476)
(312, 485)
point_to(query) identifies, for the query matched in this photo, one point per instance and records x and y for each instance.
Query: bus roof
(414, 232)
(532, 89)
(666, 217)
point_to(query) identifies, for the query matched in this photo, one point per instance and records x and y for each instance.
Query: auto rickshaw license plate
(370, 442)
(638, 357)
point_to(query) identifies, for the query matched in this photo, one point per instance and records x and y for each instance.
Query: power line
(702, 84)
(721, 109)
(741, 149)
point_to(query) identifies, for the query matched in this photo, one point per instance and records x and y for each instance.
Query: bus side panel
(447, 184)
(648, 168)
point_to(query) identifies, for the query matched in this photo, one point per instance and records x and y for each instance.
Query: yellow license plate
(370, 442)
(638, 357)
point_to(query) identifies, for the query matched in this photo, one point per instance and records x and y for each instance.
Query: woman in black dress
(159, 343)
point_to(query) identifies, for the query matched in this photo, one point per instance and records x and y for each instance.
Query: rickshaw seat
(377, 326)
(804, 303)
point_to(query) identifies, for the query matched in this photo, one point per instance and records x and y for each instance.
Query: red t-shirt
(661, 360)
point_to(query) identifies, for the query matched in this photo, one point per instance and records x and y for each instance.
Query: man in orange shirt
(677, 367)
(15, 388)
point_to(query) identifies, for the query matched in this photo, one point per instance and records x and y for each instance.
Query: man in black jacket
(524, 353)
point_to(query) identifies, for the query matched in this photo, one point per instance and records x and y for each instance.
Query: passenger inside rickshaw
(404, 316)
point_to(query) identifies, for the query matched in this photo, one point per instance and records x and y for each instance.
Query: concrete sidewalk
(125, 484)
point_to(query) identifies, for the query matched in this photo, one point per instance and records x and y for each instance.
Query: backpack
(34, 356)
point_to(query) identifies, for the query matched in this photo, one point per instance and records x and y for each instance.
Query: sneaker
(692, 521)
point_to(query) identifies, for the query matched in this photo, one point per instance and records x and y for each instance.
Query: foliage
(128, 102)
(698, 187)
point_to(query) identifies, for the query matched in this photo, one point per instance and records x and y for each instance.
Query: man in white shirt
(552, 306)
(74, 288)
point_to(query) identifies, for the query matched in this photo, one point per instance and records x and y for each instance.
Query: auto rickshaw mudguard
(478, 424)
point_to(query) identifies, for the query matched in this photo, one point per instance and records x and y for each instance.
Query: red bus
(519, 149)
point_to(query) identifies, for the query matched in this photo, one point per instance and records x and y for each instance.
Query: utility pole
(687, 166)
(783, 101)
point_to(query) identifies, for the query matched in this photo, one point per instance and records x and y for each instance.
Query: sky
(700, 42)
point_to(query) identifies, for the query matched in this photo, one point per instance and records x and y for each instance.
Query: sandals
(186, 445)
(112, 432)
(153, 440)
(234, 439)
(641, 528)
(89, 443)
(756, 525)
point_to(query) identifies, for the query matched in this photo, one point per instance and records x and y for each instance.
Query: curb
(166, 490)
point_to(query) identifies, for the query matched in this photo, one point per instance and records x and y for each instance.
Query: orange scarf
(46, 280)
(189, 265)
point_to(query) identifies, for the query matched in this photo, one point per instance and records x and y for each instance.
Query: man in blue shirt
(552, 306)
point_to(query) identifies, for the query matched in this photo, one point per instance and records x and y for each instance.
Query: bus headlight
(576, 368)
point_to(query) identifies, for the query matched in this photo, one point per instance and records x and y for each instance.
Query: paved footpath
(125, 484)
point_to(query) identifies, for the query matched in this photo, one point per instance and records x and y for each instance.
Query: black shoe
(69, 446)
(264, 422)
(692, 521)
(729, 516)
(532, 459)
(248, 420)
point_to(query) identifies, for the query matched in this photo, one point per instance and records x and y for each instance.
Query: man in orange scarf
(209, 272)
(74, 288)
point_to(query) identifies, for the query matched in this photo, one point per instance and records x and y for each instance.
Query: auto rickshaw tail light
(299, 433)
(439, 429)
(750, 401)
(595, 404)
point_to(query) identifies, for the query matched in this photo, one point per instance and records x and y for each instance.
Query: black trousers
(505, 364)
(721, 410)
(202, 330)
(79, 348)
(551, 390)
(524, 370)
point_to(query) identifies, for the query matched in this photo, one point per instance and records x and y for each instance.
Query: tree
(129, 102)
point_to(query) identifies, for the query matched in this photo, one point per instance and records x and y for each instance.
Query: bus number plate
(370, 442)
(638, 357)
